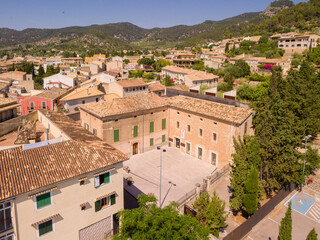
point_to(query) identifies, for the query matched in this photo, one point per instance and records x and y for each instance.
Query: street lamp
(161, 150)
(304, 160)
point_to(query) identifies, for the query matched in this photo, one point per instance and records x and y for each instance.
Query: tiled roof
(194, 75)
(181, 87)
(153, 87)
(82, 92)
(139, 82)
(6, 101)
(78, 133)
(216, 110)
(124, 105)
(22, 171)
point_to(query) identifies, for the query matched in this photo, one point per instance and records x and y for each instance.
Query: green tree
(228, 34)
(216, 215)
(211, 212)
(251, 191)
(285, 228)
(40, 71)
(201, 204)
(245, 68)
(247, 155)
(312, 235)
(146, 61)
(167, 81)
(126, 61)
(277, 132)
(226, 48)
(149, 221)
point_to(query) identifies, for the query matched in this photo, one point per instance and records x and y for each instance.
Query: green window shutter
(113, 199)
(164, 123)
(45, 227)
(116, 135)
(97, 206)
(151, 127)
(135, 131)
(106, 177)
(163, 138)
(151, 142)
(43, 200)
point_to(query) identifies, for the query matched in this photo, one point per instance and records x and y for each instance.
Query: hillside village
(221, 138)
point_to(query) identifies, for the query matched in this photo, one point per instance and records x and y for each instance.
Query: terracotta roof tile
(212, 109)
(153, 87)
(22, 171)
(124, 105)
(139, 82)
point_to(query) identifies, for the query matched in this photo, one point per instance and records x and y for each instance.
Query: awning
(42, 192)
(84, 204)
(106, 195)
(82, 179)
(45, 220)
(109, 170)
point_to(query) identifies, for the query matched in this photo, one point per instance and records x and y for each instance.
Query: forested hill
(126, 35)
(304, 16)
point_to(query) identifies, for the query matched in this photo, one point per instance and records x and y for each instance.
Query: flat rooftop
(181, 169)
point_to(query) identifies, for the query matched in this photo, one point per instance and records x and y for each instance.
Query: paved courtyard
(305, 216)
(182, 170)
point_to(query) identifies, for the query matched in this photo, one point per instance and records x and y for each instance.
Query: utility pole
(304, 160)
(161, 150)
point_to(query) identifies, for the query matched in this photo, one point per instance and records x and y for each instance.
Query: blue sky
(21, 14)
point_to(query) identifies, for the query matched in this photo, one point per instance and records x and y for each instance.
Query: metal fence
(261, 213)
(188, 195)
(219, 174)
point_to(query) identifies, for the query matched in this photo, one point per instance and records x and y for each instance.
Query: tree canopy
(149, 221)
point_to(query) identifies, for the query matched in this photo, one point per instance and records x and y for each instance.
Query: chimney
(87, 91)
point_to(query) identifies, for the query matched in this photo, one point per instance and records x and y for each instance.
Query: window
(163, 138)
(189, 128)
(188, 147)
(200, 153)
(213, 159)
(178, 113)
(31, 105)
(94, 131)
(97, 99)
(116, 135)
(151, 127)
(135, 131)
(43, 200)
(83, 101)
(214, 137)
(164, 123)
(201, 119)
(5, 216)
(178, 124)
(86, 126)
(9, 236)
(200, 132)
(151, 142)
(45, 227)
(105, 202)
(101, 179)
(44, 105)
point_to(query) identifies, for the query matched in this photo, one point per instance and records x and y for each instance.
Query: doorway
(177, 142)
(135, 148)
